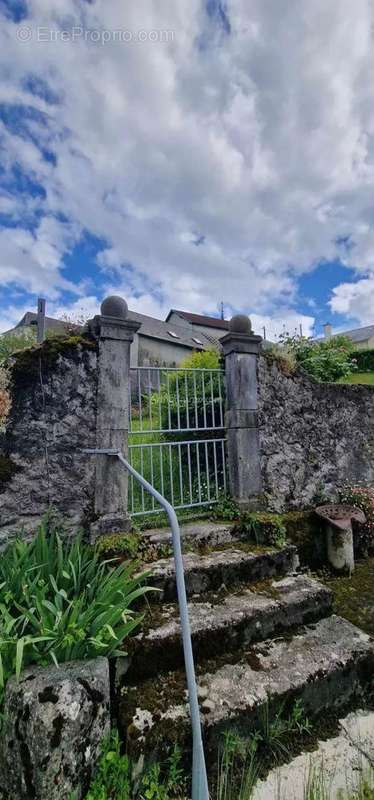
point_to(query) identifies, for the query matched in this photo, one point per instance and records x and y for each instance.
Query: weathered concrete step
(325, 664)
(199, 533)
(228, 567)
(227, 625)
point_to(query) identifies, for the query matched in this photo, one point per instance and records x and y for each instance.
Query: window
(174, 335)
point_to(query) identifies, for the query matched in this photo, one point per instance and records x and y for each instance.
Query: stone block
(55, 721)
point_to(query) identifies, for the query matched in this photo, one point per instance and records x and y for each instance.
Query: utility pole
(264, 330)
(301, 329)
(222, 310)
(41, 320)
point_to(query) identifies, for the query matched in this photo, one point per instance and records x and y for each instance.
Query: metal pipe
(200, 789)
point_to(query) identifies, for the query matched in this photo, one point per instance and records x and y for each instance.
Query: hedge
(364, 360)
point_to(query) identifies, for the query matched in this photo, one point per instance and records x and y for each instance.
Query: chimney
(327, 329)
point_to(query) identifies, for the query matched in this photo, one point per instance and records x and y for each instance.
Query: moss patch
(263, 527)
(126, 545)
(8, 468)
(353, 597)
(304, 529)
(25, 368)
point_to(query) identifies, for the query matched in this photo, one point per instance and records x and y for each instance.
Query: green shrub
(181, 397)
(117, 777)
(325, 360)
(58, 603)
(363, 360)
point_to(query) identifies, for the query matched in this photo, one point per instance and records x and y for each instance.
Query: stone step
(326, 665)
(221, 568)
(199, 534)
(226, 624)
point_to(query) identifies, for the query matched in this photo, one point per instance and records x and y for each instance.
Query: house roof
(200, 319)
(157, 329)
(360, 334)
(150, 327)
(355, 335)
(30, 318)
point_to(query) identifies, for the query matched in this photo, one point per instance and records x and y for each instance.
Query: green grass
(359, 377)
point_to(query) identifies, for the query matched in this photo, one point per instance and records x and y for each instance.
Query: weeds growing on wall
(237, 768)
(326, 360)
(117, 777)
(59, 602)
(240, 763)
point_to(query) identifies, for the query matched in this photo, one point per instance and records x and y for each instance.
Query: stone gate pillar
(115, 332)
(241, 348)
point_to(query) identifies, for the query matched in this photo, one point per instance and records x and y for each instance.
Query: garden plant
(59, 602)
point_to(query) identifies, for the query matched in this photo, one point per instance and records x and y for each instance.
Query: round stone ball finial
(114, 306)
(240, 324)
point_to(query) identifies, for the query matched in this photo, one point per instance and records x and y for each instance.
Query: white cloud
(261, 141)
(33, 260)
(289, 322)
(355, 300)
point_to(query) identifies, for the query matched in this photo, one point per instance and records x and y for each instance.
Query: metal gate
(177, 436)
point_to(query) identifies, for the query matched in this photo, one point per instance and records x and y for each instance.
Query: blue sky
(228, 156)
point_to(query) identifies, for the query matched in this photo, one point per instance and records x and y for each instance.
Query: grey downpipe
(200, 789)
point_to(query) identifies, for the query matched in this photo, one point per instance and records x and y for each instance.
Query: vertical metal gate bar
(140, 403)
(171, 476)
(212, 400)
(162, 469)
(178, 401)
(195, 397)
(220, 400)
(198, 469)
(159, 399)
(204, 402)
(207, 470)
(152, 476)
(189, 471)
(150, 400)
(180, 474)
(224, 466)
(169, 401)
(187, 401)
(215, 466)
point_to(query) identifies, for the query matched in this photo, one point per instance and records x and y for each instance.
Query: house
(158, 342)
(211, 327)
(362, 338)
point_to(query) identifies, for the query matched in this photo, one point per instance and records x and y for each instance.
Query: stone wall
(53, 416)
(313, 437)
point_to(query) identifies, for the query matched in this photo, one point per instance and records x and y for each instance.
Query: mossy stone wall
(53, 417)
(314, 437)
